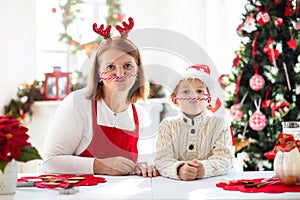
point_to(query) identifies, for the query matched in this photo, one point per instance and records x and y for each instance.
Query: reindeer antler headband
(122, 30)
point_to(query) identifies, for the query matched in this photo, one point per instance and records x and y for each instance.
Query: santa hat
(201, 72)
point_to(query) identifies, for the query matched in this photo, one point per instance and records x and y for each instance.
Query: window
(52, 52)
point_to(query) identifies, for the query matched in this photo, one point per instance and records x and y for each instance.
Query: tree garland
(70, 13)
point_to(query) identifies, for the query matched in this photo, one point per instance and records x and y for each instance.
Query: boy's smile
(192, 97)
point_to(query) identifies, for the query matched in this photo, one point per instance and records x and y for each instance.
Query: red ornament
(277, 2)
(263, 18)
(249, 25)
(273, 53)
(292, 43)
(239, 30)
(235, 111)
(278, 21)
(268, 45)
(280, 108)
(258, 121)
(257, 82)
(236, 60)
(258, 6)
(290, 9)
(297, 26)
(223, 80)
(73, 42)
(120, 17)
(54, 10)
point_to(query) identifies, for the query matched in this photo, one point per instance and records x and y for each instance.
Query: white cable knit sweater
(206, 138)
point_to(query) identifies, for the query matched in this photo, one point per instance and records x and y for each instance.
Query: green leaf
(3, 165)
(29, 153)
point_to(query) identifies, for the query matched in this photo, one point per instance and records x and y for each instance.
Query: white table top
(135, 187)
(163, 188)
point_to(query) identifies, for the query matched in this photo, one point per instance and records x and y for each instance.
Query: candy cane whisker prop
(116, 77)
(205, 98)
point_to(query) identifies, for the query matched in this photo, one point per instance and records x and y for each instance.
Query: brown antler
(127, 27)
(101, 31)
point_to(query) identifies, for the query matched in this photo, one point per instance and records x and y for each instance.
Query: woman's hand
(145, 170)
(115, 166)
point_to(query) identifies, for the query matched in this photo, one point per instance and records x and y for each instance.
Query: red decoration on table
(52, 181)
(258, 185)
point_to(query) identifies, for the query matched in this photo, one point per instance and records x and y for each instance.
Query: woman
(96, 129)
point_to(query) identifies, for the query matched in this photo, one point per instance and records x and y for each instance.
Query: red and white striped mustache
(205, 98)
(115, 77)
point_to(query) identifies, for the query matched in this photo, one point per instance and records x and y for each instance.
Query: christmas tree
(262, 89)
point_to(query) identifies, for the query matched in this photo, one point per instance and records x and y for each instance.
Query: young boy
(195, 144)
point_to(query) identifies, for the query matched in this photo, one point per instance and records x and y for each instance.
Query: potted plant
(13, 147)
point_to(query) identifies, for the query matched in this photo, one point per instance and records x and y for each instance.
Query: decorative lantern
(57, 84)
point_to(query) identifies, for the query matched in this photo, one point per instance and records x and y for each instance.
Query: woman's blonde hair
(138, 91)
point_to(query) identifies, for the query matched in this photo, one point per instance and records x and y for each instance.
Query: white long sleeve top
(70, 132)
(206, 138)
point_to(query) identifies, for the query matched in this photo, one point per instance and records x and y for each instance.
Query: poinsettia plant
(13, 142)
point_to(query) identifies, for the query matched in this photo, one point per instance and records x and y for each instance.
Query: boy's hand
(191, 170)
(200, 169)
(187, 171)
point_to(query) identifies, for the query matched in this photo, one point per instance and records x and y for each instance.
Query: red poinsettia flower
(3, 154)
(14, 136)
(13, 141)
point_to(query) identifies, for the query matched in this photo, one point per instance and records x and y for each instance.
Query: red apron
(110, 142)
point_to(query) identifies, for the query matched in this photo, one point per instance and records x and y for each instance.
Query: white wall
(17, 52)
(222, 19)
(185, 17)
